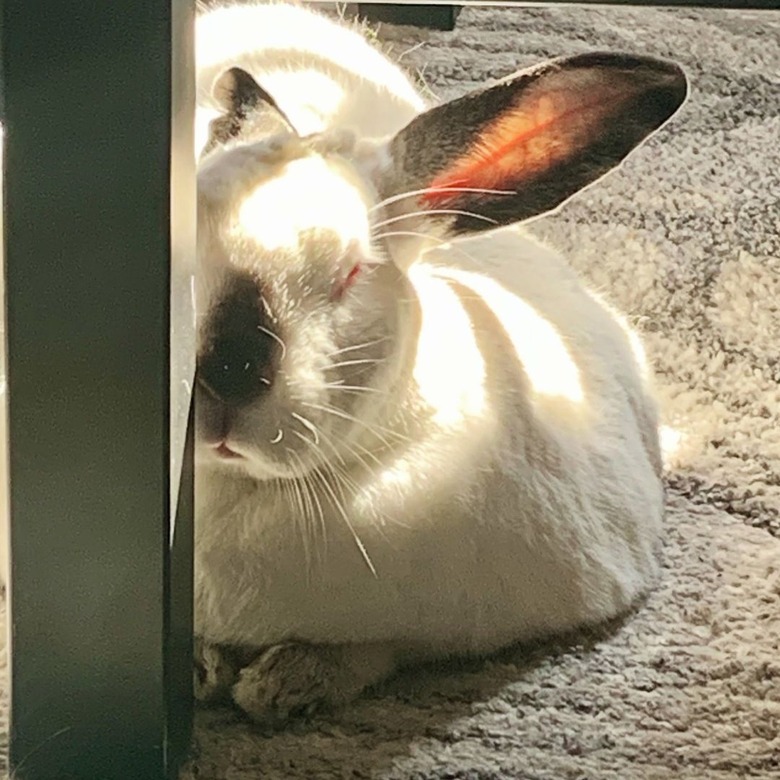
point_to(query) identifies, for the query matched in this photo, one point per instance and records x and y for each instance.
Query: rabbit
(418, 435)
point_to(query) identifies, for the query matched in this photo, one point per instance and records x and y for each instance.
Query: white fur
(321, 73)
(520, 495)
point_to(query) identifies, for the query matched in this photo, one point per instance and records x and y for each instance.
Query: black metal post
(435, 17)
(99, 236)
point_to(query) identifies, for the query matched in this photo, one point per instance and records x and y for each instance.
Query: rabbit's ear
(240, 96)
(531, 140)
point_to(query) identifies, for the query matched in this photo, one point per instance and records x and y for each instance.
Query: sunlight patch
(538, 345)
(308, 195)
(453, 385)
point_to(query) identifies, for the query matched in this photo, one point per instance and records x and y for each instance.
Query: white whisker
(343, 512)
(279, 436)
(308, 424)
(353, 450)
(431, 212)
(323, 480)
(351, 418)
(358, 346)
(353, 363)
(355, 388)
(366, 451)
(301, 517)
(440, 241)
(344, 480)
(426, 190)
(341, 473)
(275, 337)
(308, 493)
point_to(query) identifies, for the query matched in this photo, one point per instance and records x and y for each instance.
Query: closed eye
(344, 284)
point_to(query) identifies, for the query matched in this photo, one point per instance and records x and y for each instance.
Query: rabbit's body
(520, 497)
(484, 468)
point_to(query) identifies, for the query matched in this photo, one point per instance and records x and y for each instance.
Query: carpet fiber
(686, 240)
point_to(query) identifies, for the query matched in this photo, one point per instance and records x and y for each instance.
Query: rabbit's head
(304, 242)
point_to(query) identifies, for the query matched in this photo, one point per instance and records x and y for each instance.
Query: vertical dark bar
(98, 188)
(177, 671)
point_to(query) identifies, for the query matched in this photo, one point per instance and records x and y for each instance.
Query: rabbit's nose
(239, 362)
(238, 370)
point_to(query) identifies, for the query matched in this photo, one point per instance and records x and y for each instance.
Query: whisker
(309, 493)
(301, 517)
(358, 346)
(15, 774)
(364, 450)
(355, 388)
(312, 489)
(344, 481)
(343, 512)
(275, 337)
(343, 478)
(267, 309)
(415, 233)
(346, 416)
(308, 424)
(315, 551)
(353, 363)
(412, 193)
(440, 241)
(321, 476)
(353, 450)
(430, 212)
(293, 490)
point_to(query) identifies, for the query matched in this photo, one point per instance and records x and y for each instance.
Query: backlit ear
(538, 137)
(242, 98)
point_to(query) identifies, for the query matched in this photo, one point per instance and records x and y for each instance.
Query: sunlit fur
(461, 452)
(320, 73)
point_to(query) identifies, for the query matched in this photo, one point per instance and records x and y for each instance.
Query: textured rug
(686, 240)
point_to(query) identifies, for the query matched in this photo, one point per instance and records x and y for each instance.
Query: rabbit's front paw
(214, 673)
(292, 680)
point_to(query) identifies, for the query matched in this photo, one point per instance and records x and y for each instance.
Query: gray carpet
(686, 240)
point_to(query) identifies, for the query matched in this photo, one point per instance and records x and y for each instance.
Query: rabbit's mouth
(225, 453)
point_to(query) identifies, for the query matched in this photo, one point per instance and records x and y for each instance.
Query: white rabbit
(407, 449)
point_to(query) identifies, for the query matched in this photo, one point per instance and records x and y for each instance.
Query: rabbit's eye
(344, 284)
(352, 275)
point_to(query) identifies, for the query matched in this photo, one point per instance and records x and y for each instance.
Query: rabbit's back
(579, 358)
(321, 73)
(551, 444)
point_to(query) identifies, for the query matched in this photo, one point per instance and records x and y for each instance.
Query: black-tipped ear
(241, 97)
(539, 136)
